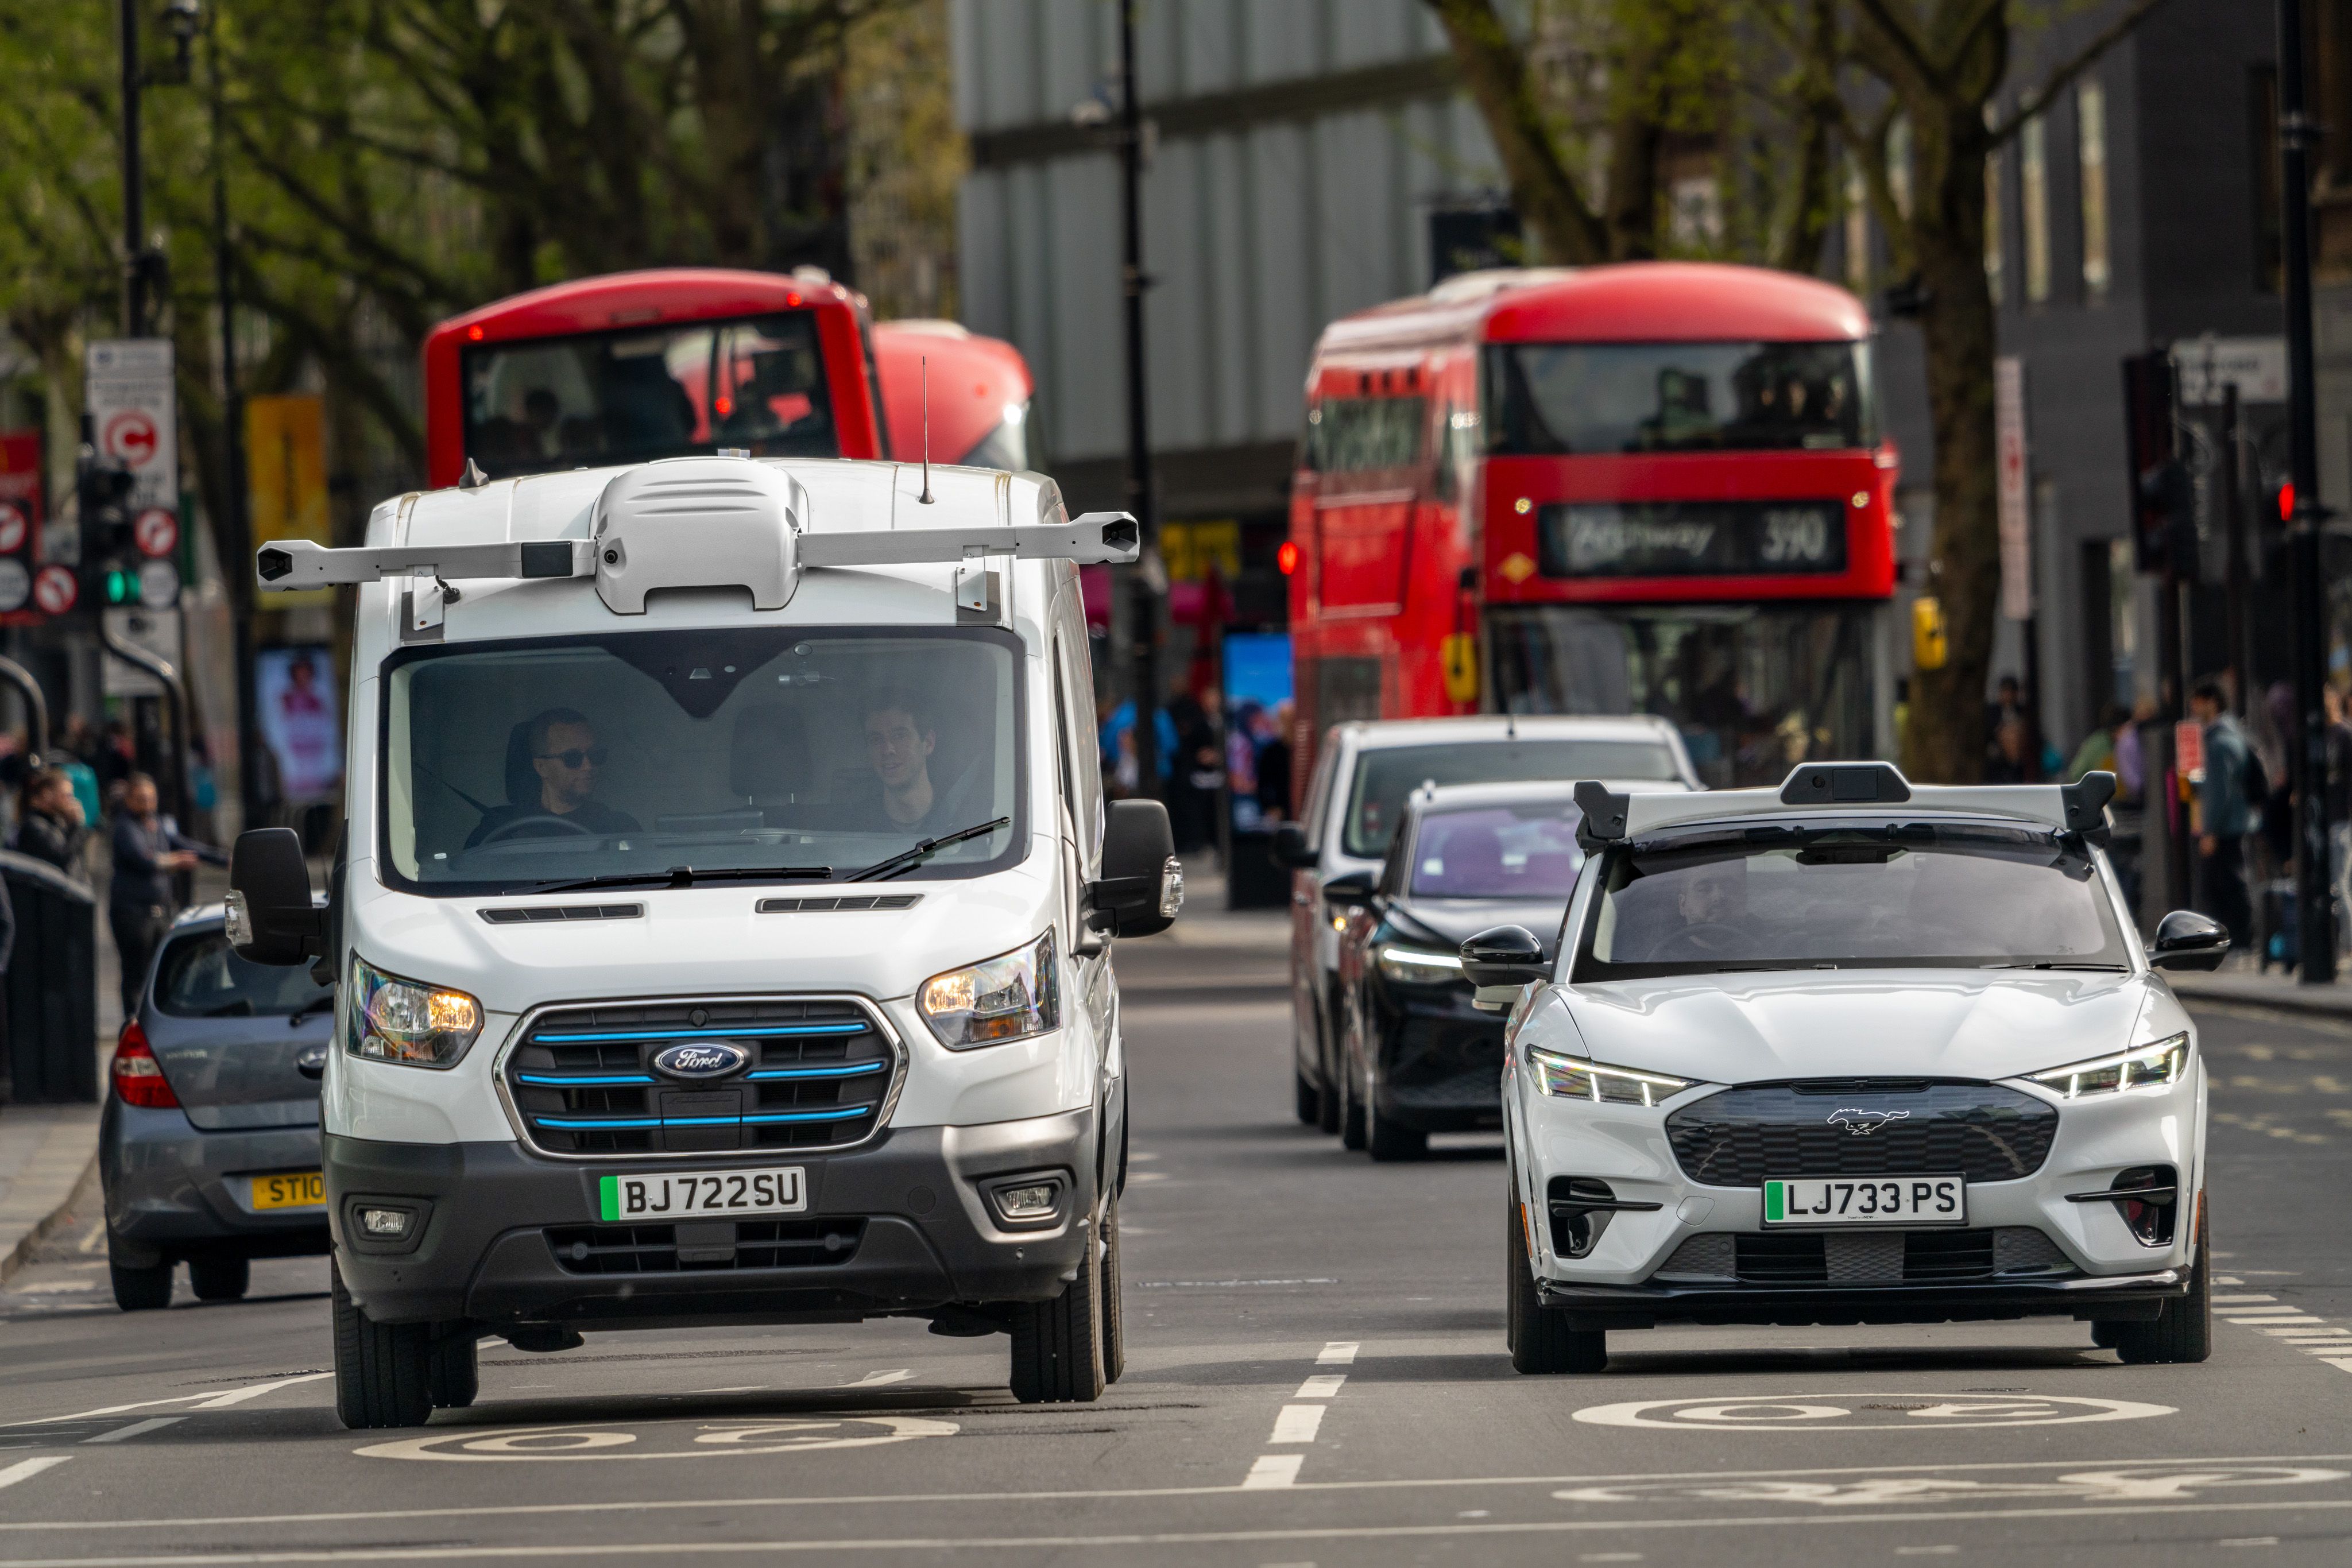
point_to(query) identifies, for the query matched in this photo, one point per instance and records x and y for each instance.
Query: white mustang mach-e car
(1851, 1051)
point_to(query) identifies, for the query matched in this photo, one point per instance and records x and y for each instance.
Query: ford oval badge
(700, 1061)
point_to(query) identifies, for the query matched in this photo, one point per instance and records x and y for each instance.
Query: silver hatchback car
(208, 1146)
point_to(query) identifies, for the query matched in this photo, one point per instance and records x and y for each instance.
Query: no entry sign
(157, 532)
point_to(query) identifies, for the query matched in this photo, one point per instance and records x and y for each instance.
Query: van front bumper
(900, 1225)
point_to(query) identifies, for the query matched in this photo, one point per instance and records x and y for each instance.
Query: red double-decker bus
(1655, 487)
(662, 363)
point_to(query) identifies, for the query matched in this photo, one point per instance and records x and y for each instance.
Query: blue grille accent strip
(604, 1081)
(765, 1032)
(849, 1115)
(771, 1074)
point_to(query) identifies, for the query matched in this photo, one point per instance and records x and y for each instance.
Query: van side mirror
(1501, 962)
(2188, 940)
(1348, 889)
(1143, 885)
(271, 918)
(1290, 847)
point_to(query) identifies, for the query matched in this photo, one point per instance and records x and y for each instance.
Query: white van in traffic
(724, 917)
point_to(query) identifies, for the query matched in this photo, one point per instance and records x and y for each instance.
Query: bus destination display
(1688, 539)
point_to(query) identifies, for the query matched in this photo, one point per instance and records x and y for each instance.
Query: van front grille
(816, 1074)
(655, 1249)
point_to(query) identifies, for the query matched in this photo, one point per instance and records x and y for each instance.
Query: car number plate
(1865, 1200)
(703, 1194)
(289, 1190)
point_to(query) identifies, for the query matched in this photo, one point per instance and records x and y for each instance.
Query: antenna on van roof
(924, 362)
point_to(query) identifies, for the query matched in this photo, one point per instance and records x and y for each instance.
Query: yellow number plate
(290, 1190)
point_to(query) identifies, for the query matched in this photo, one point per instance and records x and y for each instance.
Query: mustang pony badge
(1862, 1123)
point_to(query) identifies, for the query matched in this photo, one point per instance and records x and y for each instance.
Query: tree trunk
(1944, 741)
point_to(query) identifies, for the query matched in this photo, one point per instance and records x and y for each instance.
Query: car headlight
(1009, 997)
(391, 1019)
(1419, 966)
(2144, 1067)
(1573, 1078)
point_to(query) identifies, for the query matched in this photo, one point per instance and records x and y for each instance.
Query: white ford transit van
(722, 925)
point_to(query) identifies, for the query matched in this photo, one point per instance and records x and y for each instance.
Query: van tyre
(1538, 1336)
(1114, 1311)
(384, 1372)
(1310, 1099)
(141, 1289)
(452, 1371)
(2183, 1332)
(1057, 1345)
(219, 1278)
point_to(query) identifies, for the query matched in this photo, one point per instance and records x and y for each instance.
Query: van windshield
(752, 754)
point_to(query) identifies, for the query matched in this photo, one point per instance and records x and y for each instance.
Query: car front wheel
(141, 1289)
(1538, 1336)
(2183, 1331)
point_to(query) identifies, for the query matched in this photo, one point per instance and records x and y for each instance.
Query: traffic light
(110, 552)
(2163, 498)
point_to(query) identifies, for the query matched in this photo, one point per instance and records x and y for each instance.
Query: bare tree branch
(2062, 76)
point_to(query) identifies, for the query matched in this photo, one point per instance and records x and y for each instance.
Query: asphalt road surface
(1316, 1375)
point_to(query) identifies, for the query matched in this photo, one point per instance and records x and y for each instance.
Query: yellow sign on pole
(286, 477)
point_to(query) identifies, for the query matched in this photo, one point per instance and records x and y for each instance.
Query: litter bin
(49, 1001)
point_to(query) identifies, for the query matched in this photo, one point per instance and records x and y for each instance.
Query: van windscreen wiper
(907, 860)
(687, 876)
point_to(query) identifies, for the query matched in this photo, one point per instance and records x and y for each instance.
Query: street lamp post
(2309, 764)
(1142, 499)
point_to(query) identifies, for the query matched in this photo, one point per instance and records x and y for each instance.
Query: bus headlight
(391, 1019)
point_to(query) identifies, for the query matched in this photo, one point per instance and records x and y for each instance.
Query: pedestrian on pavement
(2339, 811)
(49, 824)
(2009, 764)
(2225, 811)
(2097, 752)
(142, 900)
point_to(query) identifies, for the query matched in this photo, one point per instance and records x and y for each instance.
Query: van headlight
(388, 1018)
(1573, 1078)
(1418, 965)
(1011, 996)
(2147, 1067)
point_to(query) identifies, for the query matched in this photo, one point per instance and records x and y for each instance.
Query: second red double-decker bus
(663, 364)
(1655, 487)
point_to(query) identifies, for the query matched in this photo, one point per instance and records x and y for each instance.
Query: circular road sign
(131, 436)
(14, 526)
(16, 584)
(157, 532)
(159, 584)
(55, 589)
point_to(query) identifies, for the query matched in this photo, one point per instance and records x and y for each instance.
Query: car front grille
(655, 1249)
(819, 1074)
(1835, 1259)
(1846, 1127)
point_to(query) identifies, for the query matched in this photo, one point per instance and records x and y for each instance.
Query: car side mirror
(1348, 889)
(2188, 940)
(1143, 883)
(1290, 847)
(271, 917)
(1501, 962)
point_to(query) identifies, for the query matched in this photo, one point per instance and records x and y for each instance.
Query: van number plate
(1883, 1200)
(702, 1195)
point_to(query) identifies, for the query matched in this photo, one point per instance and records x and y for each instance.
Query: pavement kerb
(47, 1226)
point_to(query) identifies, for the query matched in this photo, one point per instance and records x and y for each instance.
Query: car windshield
(1386, 775)
(201, 976)
(1583, 398)
(1498, 852)
(772, 754)
(542, 404)
(1845, 895)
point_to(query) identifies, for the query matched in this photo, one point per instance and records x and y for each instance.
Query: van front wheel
(384, 1372)
(1057, 1345)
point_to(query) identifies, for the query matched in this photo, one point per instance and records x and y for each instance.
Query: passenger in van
(901, 737)
(564, 756)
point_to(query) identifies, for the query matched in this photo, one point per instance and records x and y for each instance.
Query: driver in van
(566, 758)
(900, 735)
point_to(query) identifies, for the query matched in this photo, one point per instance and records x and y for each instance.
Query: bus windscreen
(1578, 399)
(542, 404)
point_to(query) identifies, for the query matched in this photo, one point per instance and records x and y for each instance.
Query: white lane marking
(137, 1429)
(2301, 1331)
(1608, 1557)
(1297, 1424)
(2250, 1540)
(901, 1500)
(89, 1242)
(1274, 1471)
(1338, 1353)
(1324, 1387)
(2241, 1301)
(55, 1287)
(1926, 1550)
(25, 1469)
(193, 1401)
(881, 1379)
(1221, 1284)
(2268, 1315)
(2340, 1362)
(512, 1445)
